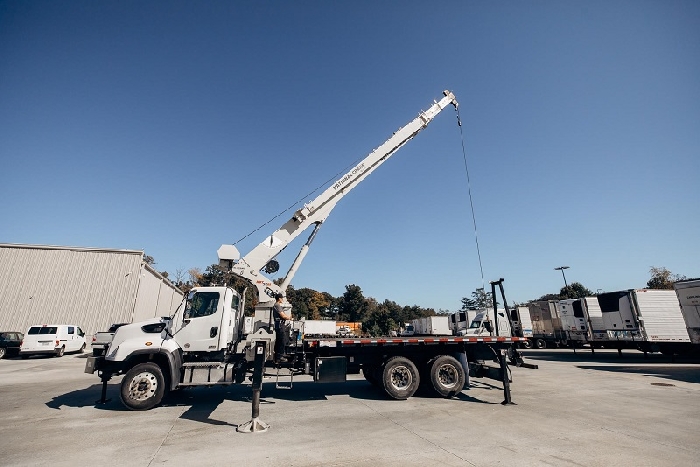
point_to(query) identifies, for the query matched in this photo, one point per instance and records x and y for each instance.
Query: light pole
(561, 268)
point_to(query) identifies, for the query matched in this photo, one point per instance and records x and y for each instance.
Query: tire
(540, 344)
(60, 352)
(400, 378)
(527, 344)
(82, 349)
(3, 351)
(447, 376)
(143, 387)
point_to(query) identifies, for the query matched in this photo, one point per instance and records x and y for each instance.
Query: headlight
(113, 352)
(155, 328)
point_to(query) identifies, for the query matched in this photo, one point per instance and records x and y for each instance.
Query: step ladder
(284, 385)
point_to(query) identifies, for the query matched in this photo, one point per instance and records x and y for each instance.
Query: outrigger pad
(253, 426)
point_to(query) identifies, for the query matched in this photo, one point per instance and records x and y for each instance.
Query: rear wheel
(143, 387)
(400, 378)
(61, 351)
(540, 344)
(2, 352)
(447, 376)
(526, 344)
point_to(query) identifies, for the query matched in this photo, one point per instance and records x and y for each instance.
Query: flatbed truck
(209, 341)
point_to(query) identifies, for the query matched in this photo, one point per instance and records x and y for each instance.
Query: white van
(52, 339)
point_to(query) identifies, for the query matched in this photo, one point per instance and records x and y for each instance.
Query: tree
(380, 321)
(662, 278)
(480, 299)
(195, 275)
(574, 290)
(308, 303)
(352, 305)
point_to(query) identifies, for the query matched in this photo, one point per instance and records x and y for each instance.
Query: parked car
(52, 339)
(10, 342)
(101, 340)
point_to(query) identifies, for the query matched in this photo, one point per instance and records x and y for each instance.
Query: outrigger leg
(506, 380)
(255, 425)
(103, 395)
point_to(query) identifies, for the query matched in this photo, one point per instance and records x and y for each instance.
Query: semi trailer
(688, 292)
(646, 319)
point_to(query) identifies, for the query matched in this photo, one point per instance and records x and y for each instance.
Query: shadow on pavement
(608, 356)
(688, 375)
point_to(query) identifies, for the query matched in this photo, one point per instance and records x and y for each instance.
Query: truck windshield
(201, 304)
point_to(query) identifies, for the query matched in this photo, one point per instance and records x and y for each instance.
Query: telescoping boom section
(315, 212)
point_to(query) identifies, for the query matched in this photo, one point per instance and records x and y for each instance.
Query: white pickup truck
(101, 340)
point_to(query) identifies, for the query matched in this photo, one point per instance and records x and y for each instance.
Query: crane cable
(471, 202)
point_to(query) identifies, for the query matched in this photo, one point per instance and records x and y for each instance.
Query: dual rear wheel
(400, 379)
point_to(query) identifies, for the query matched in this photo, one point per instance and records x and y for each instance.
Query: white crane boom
(315, 212)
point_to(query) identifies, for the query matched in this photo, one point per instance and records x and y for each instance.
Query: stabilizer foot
(253, 426)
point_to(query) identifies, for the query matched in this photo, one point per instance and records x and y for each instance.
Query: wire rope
(471, 201)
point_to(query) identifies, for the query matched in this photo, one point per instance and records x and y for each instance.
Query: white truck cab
(52, 339)
(482, 324)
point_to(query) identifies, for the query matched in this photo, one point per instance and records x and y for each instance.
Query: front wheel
(400, 378)
(447, 376)
(143, 387)
(82, 349)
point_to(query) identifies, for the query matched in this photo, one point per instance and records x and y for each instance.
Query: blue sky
(174, 127)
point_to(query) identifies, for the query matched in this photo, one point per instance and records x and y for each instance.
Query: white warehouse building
(89, 287)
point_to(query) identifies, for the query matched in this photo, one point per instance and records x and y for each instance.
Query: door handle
(213, 331)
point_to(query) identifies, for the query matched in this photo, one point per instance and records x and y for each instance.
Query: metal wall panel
(156, 296)
(92, 288)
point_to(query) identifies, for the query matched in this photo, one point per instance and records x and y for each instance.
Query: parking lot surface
(575, 410)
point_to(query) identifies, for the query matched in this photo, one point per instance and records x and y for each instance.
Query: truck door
(201, 324)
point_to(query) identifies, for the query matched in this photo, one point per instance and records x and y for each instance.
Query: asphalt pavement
(574, 410)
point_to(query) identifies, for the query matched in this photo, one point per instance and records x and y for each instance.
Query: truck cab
(482, 324)
(209, 320)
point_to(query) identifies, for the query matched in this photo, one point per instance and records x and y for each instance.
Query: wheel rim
(401, 378)
(143, 386)
(2, 352)
(447, 376)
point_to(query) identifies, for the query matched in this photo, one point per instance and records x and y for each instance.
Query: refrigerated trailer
(546, 325)
(438, 325)
(646, 319)
(522, 324)
(573, 322)
(597, 333)
(688, 293)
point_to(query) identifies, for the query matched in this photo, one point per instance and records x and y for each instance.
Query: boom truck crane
(208, 341)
